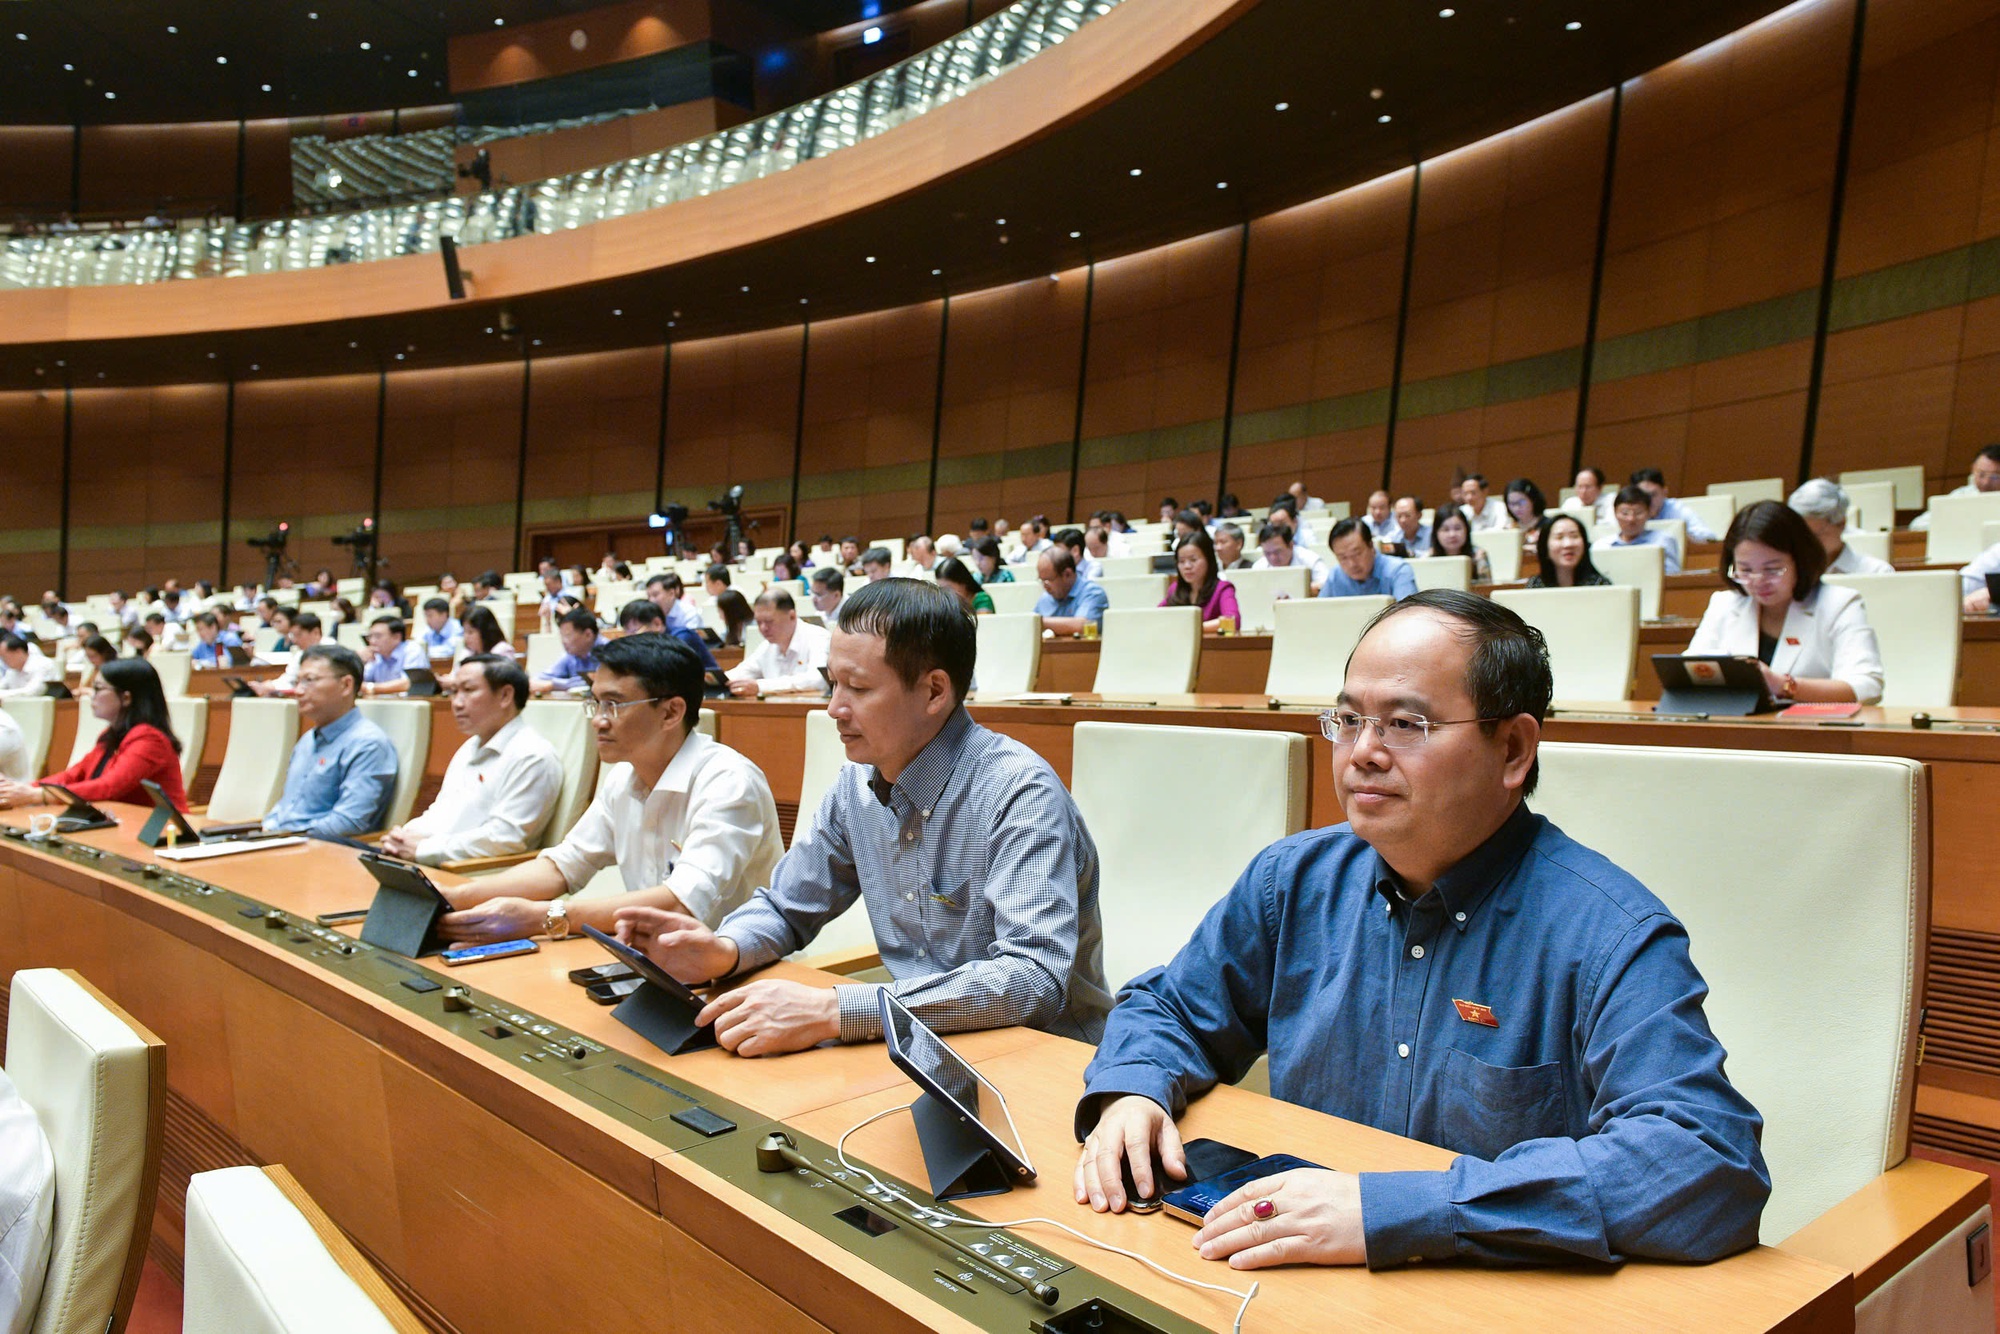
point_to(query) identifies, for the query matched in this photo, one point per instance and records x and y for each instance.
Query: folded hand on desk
(1313, 1218)
(494, 919)
(773, 1016)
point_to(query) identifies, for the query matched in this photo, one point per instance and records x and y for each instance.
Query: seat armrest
(847, 962)
(1889, 1222)
(482, 865)
(198, 810)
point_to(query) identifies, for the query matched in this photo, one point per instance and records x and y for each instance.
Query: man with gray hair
(1823, 504)
(789, 660)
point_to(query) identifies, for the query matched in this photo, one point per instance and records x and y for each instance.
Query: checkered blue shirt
(980, 881)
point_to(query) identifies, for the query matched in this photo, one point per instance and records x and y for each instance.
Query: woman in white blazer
(1812, 639)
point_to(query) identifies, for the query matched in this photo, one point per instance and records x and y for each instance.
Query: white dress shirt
(1850, 561)
(1973, 577)
(496, 799)
(792, 669)
(708, 830)
(27, 1209)
(13, 751)
(1493, 516)
(1315, 567)
(1825, 637)
(30, 678)
(1027, 553)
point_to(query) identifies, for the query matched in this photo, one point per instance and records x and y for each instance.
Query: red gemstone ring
(1263, 1209)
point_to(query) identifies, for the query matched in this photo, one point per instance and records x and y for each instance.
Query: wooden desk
(213, 682)
(496, 1201)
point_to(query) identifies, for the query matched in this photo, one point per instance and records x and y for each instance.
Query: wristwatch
(555, 921)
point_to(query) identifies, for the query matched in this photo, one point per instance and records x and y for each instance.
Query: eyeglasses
(1343, 728)
(611, 708)
(1768, 575)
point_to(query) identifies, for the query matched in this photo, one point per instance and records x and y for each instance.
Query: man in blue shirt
(1069, 601)
(640, 617)
(1632, 509)
(1449, 967)
(213, 640)
(443, 636)
(343, 772)
(571, 671)
(1360, 570)
(664, 591)
(391, 658)
(1654, 483)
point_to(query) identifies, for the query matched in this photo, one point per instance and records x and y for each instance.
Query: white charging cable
(925, 1211)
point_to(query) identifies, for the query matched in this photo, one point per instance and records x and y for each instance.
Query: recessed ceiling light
(222, 60)
(616, 311)
(871, 259)
(1137, 172)
(312, 14)
(211, 356)
(21, 36)
(266, 87)
(671, 323)
(999, 222)
(870, 36)
(399, 356)
(1446, 13)
(498, 23)
(364, 46)
(802, 301)
(489, 329)
(110, 96)
(68, 66)
(1283, 106)
(1382, 120)
(1571, 26)
(937, 273)
(1222, 185)
(172, 28)
(100, 375)
(746, 289)
(253, 366)
(1074, 235)
(1375, 94)
(538, 342)
(413, 74)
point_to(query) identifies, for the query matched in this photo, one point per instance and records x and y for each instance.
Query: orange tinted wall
(146, 485)
(871, 398)
(31, 423)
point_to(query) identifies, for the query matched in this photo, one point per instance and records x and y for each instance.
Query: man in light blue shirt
(1069, 600)
(580, 641)
(1972, 580)
(665, 591)
(1632, 509)
(213, 640)
(392, 658)
(1381, 518)
(343, 772)
(443, 636)
(1654, 483)
(1412, 535)
(1362, 571)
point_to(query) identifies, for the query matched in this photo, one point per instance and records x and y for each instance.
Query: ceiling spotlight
(1571, 26)
(1375, 94)
(68, 66)
(312, 14)
(937, 273)
(413, 74)
(253, 366)
(21, 36)
(399, 356)
(489, 329)
(1446, 13)
(1075, 235)
(1137, 172)
(870, 36)
(364, 46)
(1222, 185)
(671, 323)
(499, 23)
(746, 289)
(1382, 120)
(871, 259)
(110, 96)
(616, 311)
(538, 342)
(1283, 106)
(352, 343)
(999, 222)
(222, 60)
(266, 87)
(172, 28)
(802, 301)
(211, 356)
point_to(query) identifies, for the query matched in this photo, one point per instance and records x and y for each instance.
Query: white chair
(1592, 633)
(175, 668)
(1989, 533)
(503, 612)
(408, 723)
(36, 717)
(563, 724)
(262, 733)
(1907, 480)
(190, 720)
(1915, 616)
(351, 634)
(1956, 525)
(97, 1080)
(1869, 542)
(354, 589)
(1643, 568)
(1156, 651)
(1750, 492)
(612, 594)
(263, 1258)
(852, 932)
(1442, 572)
(1153, 890)
(89, 727)
(1714, 510)
(1125, 567)
(1840, 919)
(1258, 594)
(1311, 642)
(1014, 599)
(543, 651)
(1134, 592)
(1503, 552)
(1010, 653)
(1870, 506)
(264, 639)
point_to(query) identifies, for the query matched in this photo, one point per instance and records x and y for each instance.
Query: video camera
(362, 541)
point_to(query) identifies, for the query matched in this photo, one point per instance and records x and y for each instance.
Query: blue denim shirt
(340, 780)
(1537, 1013)
(569, 671)
(1086, 599)
(212, 655)
(1392, 577)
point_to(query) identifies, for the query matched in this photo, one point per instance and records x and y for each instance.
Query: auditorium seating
(97, 1081)
(190, 722)
(89, 727)
(1133, 593)
(1915, 617)
(564, 725)
(408, 724)
(850, 934)
(1907, 479)
(1871, 506)
(36, 717)
(1643, 568)
(1443, 572)
(1014, 598)
(1592, 633)
(1155, 651)
(1503, 552)
(1868, 542)
(175, 668)
(1010, 653)
(262, 733)
(1311, 643)
(1715, 510)
(1748, 493)
(1259, 592)
(543, 651)
(1956, 526)
(262, 1258)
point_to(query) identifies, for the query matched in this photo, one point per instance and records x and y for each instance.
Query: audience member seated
(689, 823)
(1984, 480)
(1034, 541)
(665, 591)
(1198, 582)
(1483, 510)
(343, 771)
(1654, 483)
(28, 671)
(1362, 571)
(124, 611)
(165, 635)
(1069, 601)
(1381, 518)
(16, 765)
(801, 553)
(1525, 504)
(443, 636)
(784, 569)
(138, 643)
(344, 613)
(553, 589)
(27, 1210)
(1074, 541)
(481, 633)
(1632, 508)
(1448, 966)
(715, 580)
(1563, 552)
(1451, 535)
(282, 619)
(1812, 639)
(488, 586)
(734, 609)
(877, 564)
(391, 657)
(385, 596)
(923, 555)
(987, 561)
(1228, 539)
(305, 633)
(974, 863)
(788, 662)
(1411, 538)
(138, 742)
(1186, 524)
(1285, 514)
(640, 617)
(955, 578)
(501, 785)
(1280, 554)
(581, 642)
(1303, 501)
(1823, 504)
(96, 651)
(829, 586)
(213, 641)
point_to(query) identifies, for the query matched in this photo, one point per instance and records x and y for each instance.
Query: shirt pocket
(1488, 1109)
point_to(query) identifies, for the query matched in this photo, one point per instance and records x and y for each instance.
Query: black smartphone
(603, 972)
(1205, 1158)
(1191, 1203)
(610, 993)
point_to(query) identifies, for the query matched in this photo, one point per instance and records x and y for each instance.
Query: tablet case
(1721, 687)
(402, 919)
(663, 1019)
(958, 1161)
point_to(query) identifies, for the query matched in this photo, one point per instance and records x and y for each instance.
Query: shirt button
(909, 898)
(1416, 951)
(1460, 916)
(1403, 1050)
(910, 837)
(920, 954)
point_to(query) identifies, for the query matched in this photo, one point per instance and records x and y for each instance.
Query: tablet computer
(164, 814)
(944, 1075)
(78, 814)
(1717, 684)
(423, 682)
(1993, 592)
(403, 918)
(717, 685)
(645, 967)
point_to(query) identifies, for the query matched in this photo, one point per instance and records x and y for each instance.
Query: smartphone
(610, 993)
(499, 949)
(344, 915)
(603, 972)
(1191, 1203)
(1206, 1158)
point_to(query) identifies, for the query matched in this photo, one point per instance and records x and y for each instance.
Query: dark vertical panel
(521, 457)
(666, 393)
(228, 475)
(1596, 279)
(799, 430)
(69, 427)
(937, 409)
(1842, 155)
(375, 503)
(1402, 323)
(1235, 358)
(1082, 380)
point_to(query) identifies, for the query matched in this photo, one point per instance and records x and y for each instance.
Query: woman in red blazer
(138, 742)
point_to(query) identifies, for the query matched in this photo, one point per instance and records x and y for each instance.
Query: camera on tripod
(362, 542)
(730, 506)
(276, 562)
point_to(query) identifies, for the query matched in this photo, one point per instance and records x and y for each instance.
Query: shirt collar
(504, 737)
(680, 771)
(923, 781)
(336, 729)
(1465, 886)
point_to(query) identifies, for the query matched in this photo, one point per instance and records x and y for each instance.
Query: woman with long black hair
(138, 742)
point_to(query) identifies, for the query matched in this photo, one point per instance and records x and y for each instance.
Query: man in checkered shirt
(979, 877)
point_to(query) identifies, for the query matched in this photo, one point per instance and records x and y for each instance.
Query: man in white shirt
(1984, 480)
(1591, 498)
(1297, 491)
(14, 751)
(1972, 579)
(306, 631)
(829, 585)
(1280, 553)
(877, 564)
(27, 1209)
(1823, 505)
(923, 557)
(788, 661)
(1034, 541)
(28, 671)
(689, 823)
(171, 636)
(126, 613)
(1484, 511)
(500, 787)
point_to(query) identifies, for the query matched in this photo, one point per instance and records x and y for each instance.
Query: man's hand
(1979, 603)
(743, 689)
(398, 842)
(1315, 1219)
(773, 1016)
(689, 951)
(496, 919)
(1128, 1128)
(540, 687)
